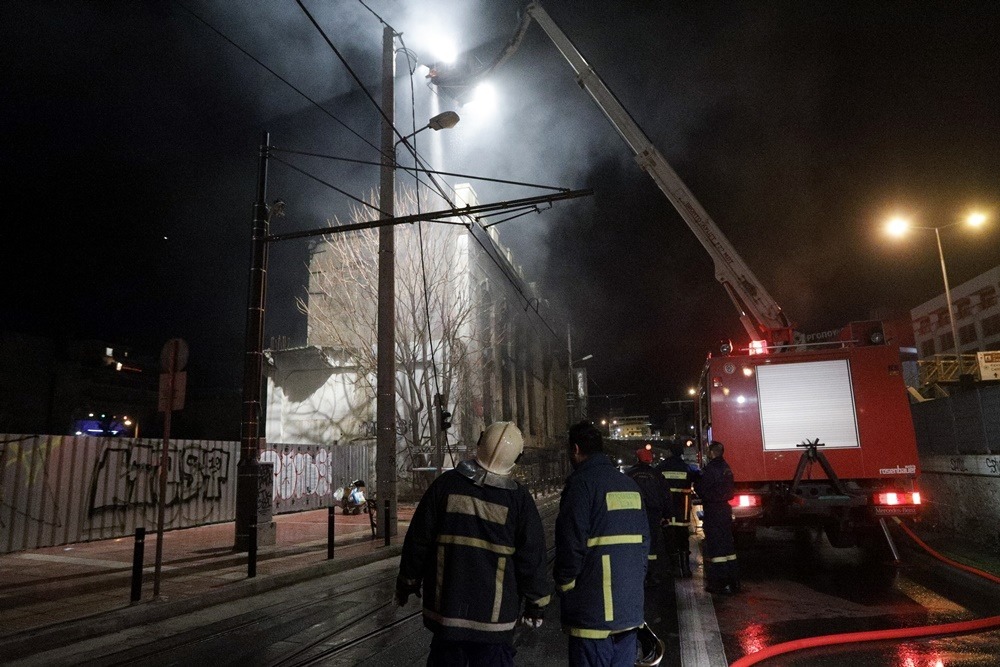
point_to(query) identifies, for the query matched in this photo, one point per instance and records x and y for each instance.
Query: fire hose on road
(962, 627)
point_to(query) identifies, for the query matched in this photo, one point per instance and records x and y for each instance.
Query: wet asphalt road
(797, 586)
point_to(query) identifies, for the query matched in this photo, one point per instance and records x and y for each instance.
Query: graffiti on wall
(26, 465)
(299, 473)
(59, 490)
(128, 476)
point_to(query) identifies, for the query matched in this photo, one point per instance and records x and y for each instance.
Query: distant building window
(987, 297)
(991, 326)
(942, 317)
(967, 334)
(947, 342)
(927, 348)
(923, 325)
(963, 307)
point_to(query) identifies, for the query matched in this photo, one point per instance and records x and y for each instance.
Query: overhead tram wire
(275, 74)
(329, 185)
(533, 209)
(503, 181)
(490, 251)
(337, 120)
(528, 208)
(437, 186)
(433, 215)
(354, 75)
(505, 271)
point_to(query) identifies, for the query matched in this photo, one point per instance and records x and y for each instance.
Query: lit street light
(578, 393)
(899, 226)
(443, 121)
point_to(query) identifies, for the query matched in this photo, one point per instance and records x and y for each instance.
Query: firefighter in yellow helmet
(476, 550)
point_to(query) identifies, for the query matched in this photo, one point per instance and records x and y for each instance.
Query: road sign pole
(172, 349)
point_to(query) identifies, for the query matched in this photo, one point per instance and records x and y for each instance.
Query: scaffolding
(947, 368)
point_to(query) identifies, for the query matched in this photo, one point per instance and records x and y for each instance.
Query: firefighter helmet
(499, 447)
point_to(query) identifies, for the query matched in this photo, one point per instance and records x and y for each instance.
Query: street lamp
(577, 392)
(443, 121)
(898, 226)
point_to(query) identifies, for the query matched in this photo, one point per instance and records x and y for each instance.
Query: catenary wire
(490, 251)
(275, 74)
(438, 172)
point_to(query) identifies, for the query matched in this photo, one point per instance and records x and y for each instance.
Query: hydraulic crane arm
(759, 313)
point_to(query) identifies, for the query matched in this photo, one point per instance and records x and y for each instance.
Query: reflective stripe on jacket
(678, 476)
(602, 544)
(478, 551)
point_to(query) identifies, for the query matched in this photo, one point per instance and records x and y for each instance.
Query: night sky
(131, 131)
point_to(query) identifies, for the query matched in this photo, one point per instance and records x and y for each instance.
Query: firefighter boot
(685, 563)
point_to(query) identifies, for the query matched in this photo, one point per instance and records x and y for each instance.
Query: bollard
(252, 551)
(386, 523)
(137, 553)
(331, 523)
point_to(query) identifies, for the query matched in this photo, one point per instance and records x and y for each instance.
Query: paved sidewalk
(45, 588)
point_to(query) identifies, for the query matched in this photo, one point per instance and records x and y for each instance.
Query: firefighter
(602, 544)
(655, 496)
(715, 488)
(678, 477)
(477, 548)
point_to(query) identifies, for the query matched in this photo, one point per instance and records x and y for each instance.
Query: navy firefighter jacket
(602, 545)
(678, 477)
(478, 550)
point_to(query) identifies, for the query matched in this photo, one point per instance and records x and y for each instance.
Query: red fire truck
(817, 437)
(817, 434)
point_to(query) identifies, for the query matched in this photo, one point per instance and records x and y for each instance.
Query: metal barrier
(64, 489)
(947, 368)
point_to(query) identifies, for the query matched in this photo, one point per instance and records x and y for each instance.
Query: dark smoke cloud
(797, 125)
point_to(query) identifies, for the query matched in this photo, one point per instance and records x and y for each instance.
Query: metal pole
(442, 435)
(247, 478)
(137, 557)
(164, 465)
(385, 402)
(570, 389)
(947, 296)
(252, 553)
(331, 531)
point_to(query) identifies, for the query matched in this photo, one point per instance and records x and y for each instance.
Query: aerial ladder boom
(760, 314)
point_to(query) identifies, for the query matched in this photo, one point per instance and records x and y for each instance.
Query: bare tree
(436, 333)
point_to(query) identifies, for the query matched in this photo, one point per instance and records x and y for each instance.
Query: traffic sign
(989, 365)
(174, 356)
(172, 400)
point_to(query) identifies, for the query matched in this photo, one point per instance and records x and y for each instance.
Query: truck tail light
(892, 498)
(758, 347)
(745, 500)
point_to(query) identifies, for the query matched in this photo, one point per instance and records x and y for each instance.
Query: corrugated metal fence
(967, 422)
(62, 489)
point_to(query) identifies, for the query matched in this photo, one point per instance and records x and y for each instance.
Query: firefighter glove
(404, 589)
(533, 615)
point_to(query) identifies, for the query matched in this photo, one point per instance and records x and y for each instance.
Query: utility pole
(253, 478)
(570, 388)
(385, 401)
